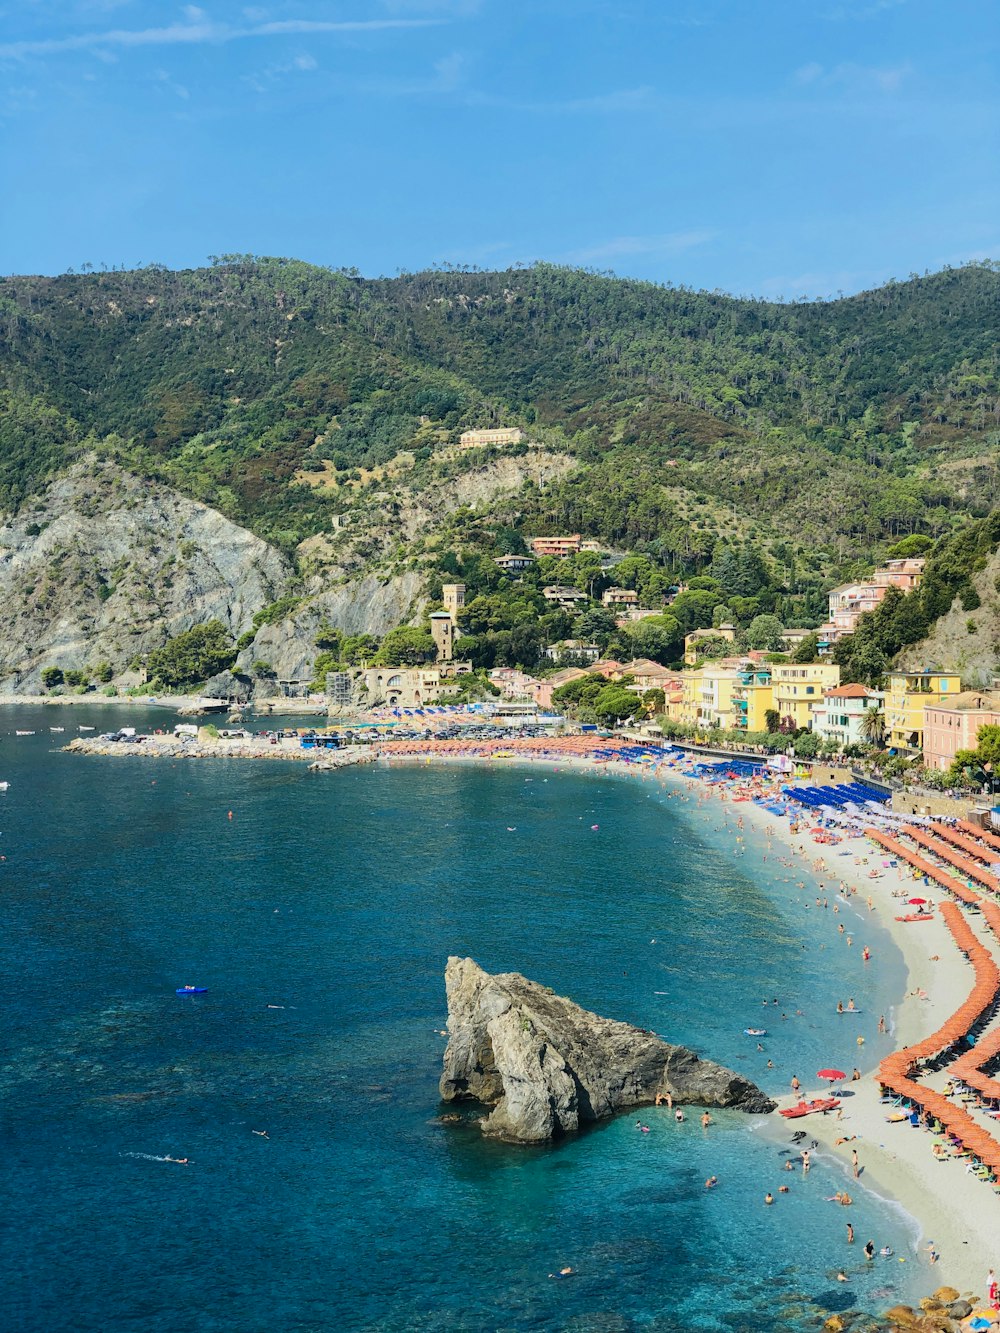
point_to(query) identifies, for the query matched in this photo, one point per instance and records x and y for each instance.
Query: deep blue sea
(337, 898)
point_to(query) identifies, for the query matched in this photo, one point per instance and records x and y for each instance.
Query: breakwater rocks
(170, 747)
(546, 1066)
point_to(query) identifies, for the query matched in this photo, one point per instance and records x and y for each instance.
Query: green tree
(873, 727)
(358, 648)
(764, 633)
(807, 650)
(406, 646)
(772, 721)
(614, 704)
(595, 626)
(52, 676)
(988, 746)
(659, 638)
(196, 655)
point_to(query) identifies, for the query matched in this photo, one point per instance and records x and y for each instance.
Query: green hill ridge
(314, 406)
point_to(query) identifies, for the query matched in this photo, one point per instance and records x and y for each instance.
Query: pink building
(850, 601)
(955, 725)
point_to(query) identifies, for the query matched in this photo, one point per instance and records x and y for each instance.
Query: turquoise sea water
(339, 897)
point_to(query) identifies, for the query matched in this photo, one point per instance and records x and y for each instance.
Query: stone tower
(453, 596)
(443, 631)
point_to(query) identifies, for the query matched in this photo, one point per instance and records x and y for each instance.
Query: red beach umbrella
(916, 901)
(834, 1075)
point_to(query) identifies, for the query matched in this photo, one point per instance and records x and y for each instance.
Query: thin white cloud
(854, 77)
(264, 80)
(672, 243)
(199, 30)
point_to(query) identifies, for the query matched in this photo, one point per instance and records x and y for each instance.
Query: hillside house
(476, 439)
(619, 597)
(565, 597)
(557, 546)
(514, 564)
(574, 649)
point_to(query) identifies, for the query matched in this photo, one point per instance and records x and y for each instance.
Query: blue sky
(778, 147)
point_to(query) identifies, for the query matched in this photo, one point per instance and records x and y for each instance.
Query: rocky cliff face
(103, 566)
(964, 641)
(546, 1066)
(366, 605)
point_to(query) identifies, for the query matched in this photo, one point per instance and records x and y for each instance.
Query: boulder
(902, 1316)
(959, 1309)
(545, 1066)
(945, 1295)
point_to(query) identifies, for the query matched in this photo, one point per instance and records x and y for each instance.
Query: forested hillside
(836, 426)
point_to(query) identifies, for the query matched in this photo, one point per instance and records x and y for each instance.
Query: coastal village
(921, 715)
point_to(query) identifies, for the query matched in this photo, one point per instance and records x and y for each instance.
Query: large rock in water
(546, 1066)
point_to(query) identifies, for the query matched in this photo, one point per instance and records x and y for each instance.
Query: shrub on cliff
(194, 656)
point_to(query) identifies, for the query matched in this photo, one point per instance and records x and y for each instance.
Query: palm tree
(873, 727)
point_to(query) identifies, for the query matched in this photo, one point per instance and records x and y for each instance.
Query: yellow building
(753, 696)
(798, 688)
(707, 700)
(907, 695)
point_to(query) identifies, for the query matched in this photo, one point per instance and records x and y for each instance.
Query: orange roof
(849, 692)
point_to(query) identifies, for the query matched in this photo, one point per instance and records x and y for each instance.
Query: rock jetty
(547, 1067)
(249, 747)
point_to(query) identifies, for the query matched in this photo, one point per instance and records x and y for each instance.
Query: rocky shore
(172, 747)
(546, 1066)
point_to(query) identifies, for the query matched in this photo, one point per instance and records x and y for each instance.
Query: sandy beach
(957, 1211)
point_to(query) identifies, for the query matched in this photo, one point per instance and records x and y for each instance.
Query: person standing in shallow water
(850, 1234)
(795, 1085)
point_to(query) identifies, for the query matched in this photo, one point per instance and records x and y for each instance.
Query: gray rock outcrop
(546, 1066)
(105, 565)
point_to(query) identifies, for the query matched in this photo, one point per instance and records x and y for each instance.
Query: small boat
(755, 1032)
(4, 786)
(823, 1104)
(24, 733)
(192, 990)
(57, 728)
(82, 728)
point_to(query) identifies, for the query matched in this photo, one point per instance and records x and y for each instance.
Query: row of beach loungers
(959, 1043)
